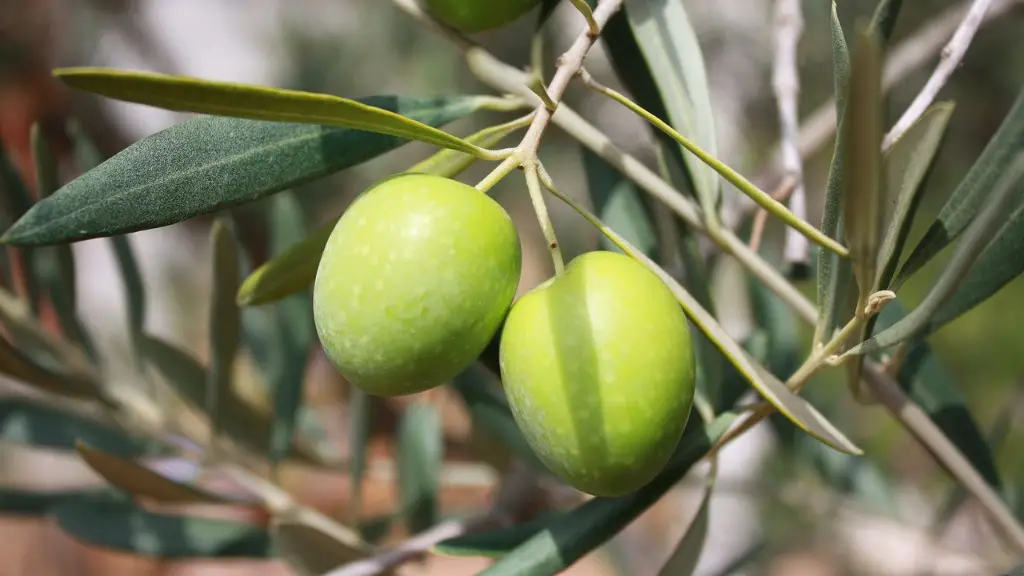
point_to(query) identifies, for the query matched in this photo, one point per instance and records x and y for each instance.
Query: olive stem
(500, 171)
(762, 198)
(541, 208)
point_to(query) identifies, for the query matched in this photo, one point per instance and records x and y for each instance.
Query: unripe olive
(599, 371)
(478, 15)
(415, 280)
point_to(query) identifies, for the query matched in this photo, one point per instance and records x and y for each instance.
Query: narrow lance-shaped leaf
(28, 422)
(294, 330)
(684, 558)
(420, 456)
(20, 367)
(121, 526)
(55, 265)
(254, 102)
(223, 322)
(568, 536)
(883, 22)
(29, 503)
(15, 195)
(969, 196)
(835, 274)
(669, 43)
(294, 269)
(863, 191)
(310, 551)
(88, 157)
(977, 236)
(798, 410)
(138, 480)
(359, 410)
(211, 163)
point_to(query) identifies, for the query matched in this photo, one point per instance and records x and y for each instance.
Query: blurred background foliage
(357, 48)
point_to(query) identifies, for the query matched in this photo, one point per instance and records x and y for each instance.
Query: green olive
(472, 16)
(599, 371)
(415, 280)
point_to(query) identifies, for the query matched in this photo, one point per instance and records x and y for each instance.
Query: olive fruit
(416, 278)
(599, 372)
(472, 16)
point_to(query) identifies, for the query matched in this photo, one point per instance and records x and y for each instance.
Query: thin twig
(952, 54)
(781, 193)
(789, 26)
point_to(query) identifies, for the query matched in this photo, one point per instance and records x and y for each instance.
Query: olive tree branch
(789, 26)
(503, 77)
(951, 56)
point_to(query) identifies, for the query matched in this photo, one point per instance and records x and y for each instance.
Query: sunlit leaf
(28, 422)
(253, 102)
(122, 526)
(420, 456)
(567, 536)
(450, 163)
(970, 195)
(136, 479)
(665, 36)
(209, 164)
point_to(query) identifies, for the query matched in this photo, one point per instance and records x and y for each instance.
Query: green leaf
(24, 421)
(547, 8)
(933, 388)
(970, 195)
(420, 456)
(26, 503)
(224, 322)
(981, 231)
(285, 365)
(999, 263)
(489, 409)
(240, 422)
(619, 205)
(55, 265)
(125, 527)
(686, 554)
(835, 274)
(254, 102)
(884, 20)
(309, 550)
(663, 32)
(15, 195)
(88, 157)
(20, 367)
(497, 543)
(863, 191)
(569, 536)
(906, 165)
(138, 480)
(450, 163)
(359, 411)
(208, 164)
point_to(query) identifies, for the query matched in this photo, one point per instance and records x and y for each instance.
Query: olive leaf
(883, 22)
(21, 367)
(969, 196)
(28, 503)
(309, 550)
(15, 197)
(420, 456)
(48, 351)
(224, 322)
(668, 42)
(359, 425)
(211, 163)
(88, 157)
(24, 421)
(138, 480)
(685, 556)
(120, 525)
(254, 102)
(835, 274)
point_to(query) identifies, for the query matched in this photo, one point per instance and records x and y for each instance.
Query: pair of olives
(421, 272)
